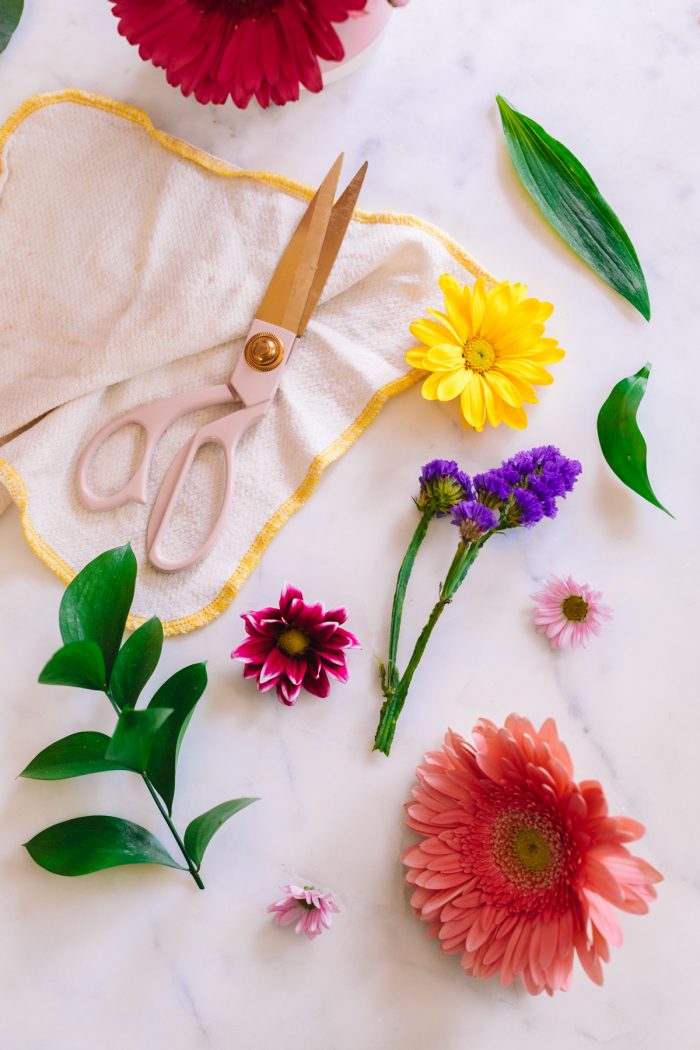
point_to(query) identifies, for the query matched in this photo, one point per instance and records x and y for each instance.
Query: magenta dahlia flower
(520, 867)
(295, 646)
(311, 910)
(237, 48)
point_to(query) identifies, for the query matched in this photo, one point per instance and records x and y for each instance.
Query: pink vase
(359, 36)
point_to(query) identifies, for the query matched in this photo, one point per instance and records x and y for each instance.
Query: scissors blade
(287, 293)
(335, 234)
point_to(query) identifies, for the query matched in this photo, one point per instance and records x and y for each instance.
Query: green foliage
(10, 14)
(87, 844)
(621, 440)
(147, 741)
(570, 201)
(78, 663)
(203, 828)
(73, 756)
(135, 663)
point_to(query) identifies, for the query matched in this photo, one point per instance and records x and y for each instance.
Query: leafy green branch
(146, 741)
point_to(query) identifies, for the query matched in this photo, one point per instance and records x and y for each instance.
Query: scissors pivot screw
(264, 351)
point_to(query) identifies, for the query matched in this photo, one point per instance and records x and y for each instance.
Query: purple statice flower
(442, 486)
(473, 519)
(526, 508)
(494, 488)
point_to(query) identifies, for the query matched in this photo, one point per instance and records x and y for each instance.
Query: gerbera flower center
(293, 642)
(528, 849)
(575, 608)
(478, 354)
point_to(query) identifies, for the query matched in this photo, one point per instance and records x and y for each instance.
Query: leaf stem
(163, 811)
(400, 595)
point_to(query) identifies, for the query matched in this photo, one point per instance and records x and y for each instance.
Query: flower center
(575, 608)
(478, 355)
(531, 849)
(528, 849)
(293, 642)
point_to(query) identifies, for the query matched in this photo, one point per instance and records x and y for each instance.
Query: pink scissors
(281, 319)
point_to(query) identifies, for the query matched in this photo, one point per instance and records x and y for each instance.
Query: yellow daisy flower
(487, 349)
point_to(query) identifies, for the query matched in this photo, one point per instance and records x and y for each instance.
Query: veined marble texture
(138, 957)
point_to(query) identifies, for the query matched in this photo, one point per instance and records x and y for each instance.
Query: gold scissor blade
(287, 293)
(335, 234)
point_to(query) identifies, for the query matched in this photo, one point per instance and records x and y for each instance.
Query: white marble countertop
(139, 958)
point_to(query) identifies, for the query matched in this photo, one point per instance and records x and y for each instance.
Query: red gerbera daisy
(295, 646)
(237, 48)
(521, 866)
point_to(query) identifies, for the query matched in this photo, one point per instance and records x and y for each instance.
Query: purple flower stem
(390, 675)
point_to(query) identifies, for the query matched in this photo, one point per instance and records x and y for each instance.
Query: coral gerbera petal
(519, 867)
(220, 49)
(491, 348)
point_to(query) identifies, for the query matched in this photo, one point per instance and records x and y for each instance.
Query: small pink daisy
(308, 907)
(569, 612)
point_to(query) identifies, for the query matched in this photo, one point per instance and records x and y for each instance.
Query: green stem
(163, 811)
(391, 709)
(400, 595)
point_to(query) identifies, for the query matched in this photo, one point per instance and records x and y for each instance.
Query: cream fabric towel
(132, 265)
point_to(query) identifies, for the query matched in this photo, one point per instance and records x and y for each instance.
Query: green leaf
(621, 440)
(203, 828)
(570, 201)
(135, 663)
(133, 738)
(96, 604)
(86, 844)
(10, 14)
(73, 756)
(180, 693)
(78, 663)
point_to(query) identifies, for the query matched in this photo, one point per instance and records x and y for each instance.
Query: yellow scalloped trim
(15, 484)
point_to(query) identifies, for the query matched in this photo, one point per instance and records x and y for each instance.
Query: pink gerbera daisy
(569, 612)
(237, 48)
(311, 909)
(295, 646)
(520, 867)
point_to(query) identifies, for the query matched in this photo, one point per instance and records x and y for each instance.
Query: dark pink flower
(294, 647)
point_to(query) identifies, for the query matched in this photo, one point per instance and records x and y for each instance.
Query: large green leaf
(78, 663)
(621, 440)
(135, 663)
(10, 14)
(202, 829)
(570, 201)
(86, 844)
(73, 756)
(134, 736)
(180, 693)
(96, 604)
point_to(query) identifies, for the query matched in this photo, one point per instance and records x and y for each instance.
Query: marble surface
(138, 957)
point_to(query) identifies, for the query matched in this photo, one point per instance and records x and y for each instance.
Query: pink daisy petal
(569, 613)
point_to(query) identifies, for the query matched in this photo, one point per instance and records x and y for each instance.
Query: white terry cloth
(132, 266)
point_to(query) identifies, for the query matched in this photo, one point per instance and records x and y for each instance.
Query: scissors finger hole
(116, 460)
(198, 504)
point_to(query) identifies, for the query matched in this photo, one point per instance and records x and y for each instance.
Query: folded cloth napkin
(132, 266)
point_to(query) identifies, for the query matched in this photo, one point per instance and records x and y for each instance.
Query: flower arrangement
(519, 867)
(488, 349)
(519, 493)
(295, 646)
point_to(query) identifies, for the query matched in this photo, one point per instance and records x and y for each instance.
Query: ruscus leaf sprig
(146, 741)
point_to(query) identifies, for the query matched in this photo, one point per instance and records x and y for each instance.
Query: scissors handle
(155, 419)
(225, 432)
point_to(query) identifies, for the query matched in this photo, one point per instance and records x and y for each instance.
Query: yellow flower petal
(493, 403)
(507, 391)
(452, 384)
(430, 387)
(429, 332)
(473, 402)
(444, 320)
(514, 417)
(525, 369)
(444, 357)
(416, 357)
